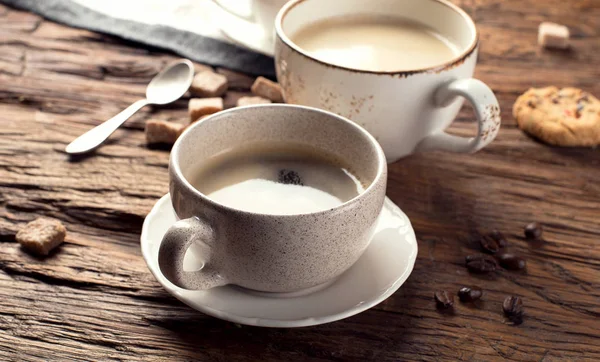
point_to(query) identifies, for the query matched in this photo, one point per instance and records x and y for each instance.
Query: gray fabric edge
(193, 46)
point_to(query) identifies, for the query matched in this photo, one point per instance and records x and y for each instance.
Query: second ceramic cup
(265, 252)
(406, 110)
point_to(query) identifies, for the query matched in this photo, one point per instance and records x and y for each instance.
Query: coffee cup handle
(487, 113)
(175, 244)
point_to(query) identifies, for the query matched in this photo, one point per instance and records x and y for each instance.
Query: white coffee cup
(277, 253)
(406, 111)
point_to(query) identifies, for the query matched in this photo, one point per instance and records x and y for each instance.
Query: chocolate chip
(531, 104)
(513, 309)
(584, 98)
(488, 244)
(443, 299)
(499, 238)
(511, 261)
(533, 231)
(555, 100)
(578, 110)
(469, 294)
(290, 177)
(480, 264)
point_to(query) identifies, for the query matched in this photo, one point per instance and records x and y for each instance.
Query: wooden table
(94, 299)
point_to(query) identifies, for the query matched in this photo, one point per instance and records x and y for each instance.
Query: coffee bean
(513, 309)
(499, 238)
(488, 244)
(533, 231)
(511, 261)
(480, 264)
(512, 306)
(469, 294)
(443, 299)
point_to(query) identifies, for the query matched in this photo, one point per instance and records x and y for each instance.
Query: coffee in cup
(375, 43)
(277, 178)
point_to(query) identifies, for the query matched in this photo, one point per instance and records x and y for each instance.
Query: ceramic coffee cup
(264, 252)
(406, 111)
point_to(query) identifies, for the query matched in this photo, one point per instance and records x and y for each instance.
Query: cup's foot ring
(297, 293)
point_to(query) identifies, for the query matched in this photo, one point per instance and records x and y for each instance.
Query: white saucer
(380, 271)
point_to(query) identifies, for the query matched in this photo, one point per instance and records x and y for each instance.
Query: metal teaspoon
(166, 87)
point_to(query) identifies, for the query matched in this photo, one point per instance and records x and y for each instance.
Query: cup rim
(457, 60)
(176, 168)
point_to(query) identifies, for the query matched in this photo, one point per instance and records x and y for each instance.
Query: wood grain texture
(95, 300)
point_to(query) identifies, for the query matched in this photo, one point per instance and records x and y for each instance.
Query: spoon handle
(97, 135)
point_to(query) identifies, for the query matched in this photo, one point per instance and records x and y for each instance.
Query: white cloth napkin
(190, 28)
(196, 16)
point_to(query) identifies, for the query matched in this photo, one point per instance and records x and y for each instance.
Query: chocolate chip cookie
(561, 117)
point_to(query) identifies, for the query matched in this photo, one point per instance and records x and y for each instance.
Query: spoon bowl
(171, 83)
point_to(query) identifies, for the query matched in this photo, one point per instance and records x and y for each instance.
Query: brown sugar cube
(199, 107)
(552, 35)
(162, 131)
(236, 80)
(42, 235)
(248, 101)
(208, 84)
(199, 68)
(199, 119)
(267, 89)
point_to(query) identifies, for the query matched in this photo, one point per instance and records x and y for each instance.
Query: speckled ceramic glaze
(406, 110)
(270, 253)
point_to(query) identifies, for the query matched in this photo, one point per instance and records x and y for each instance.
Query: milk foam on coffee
(256, 178)
(375, 43)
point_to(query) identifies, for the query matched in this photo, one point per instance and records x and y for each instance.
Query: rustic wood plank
(93, 299)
